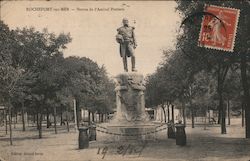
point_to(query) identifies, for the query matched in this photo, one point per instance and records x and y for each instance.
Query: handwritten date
(123, 150)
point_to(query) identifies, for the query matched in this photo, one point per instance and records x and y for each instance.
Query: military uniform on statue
(127, 41)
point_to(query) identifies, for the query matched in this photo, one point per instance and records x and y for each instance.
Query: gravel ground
(202, 145)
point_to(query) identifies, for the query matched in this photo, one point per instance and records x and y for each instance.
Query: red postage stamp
(219, 31)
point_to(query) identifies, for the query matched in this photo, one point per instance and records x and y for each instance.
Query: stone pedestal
(133, 132)
(131, 119)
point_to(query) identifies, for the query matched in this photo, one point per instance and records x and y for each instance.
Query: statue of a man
(126, 39)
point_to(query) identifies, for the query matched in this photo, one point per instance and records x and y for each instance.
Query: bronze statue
(126, 39)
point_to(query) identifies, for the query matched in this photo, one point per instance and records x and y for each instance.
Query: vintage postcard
(124, 80)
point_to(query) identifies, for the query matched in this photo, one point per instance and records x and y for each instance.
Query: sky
(93, 31)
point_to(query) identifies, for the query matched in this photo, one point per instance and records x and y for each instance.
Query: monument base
(131, 121)
(132, 132)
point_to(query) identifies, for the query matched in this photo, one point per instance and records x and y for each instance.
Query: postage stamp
(219, 31)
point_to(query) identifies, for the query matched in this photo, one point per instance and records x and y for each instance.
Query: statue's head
(125, 21)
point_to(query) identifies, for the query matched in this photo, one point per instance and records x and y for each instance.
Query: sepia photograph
(124, 80)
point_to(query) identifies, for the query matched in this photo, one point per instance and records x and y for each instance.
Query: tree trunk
(78, 115)
(40, 119)
(245, 86)
(228, 112)
(67, 120)
(10, 122)
(183, 113)
(54, 114)
(14, 122)
(184, 116)
(37, 120)
(223, 116)
(6, 122)
(61, 116)
(89, 120)
(27, 118)
(93, 117)
(47, 117)
(76, 121)
(205, 124)
(221, 77)
(209, 117)
(242, 115)
(164, 112)
(34, 118)
(16, 117)
(23, 120)
(192, 115)
(172, 112)
(168, 113)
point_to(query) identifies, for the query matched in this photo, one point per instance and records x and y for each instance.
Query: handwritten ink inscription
(122, 150)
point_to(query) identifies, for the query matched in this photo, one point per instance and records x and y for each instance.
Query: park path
(202, 145)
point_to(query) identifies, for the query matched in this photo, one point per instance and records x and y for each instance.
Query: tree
(166, 85)
(89, 85)
(35, 76)
(219, 59)
(154, 94)
(39, 54)
(9, 74)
